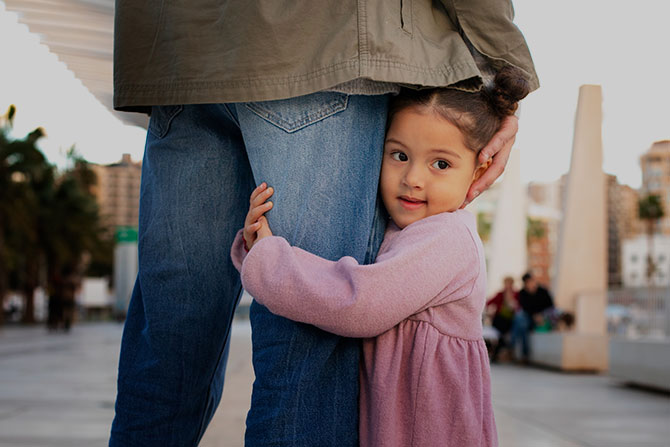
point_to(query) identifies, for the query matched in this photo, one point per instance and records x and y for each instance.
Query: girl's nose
(413, 177)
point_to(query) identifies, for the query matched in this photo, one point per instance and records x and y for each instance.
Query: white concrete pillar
(581, 264)
(507, 249)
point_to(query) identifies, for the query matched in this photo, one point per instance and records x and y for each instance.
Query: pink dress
(425, 378)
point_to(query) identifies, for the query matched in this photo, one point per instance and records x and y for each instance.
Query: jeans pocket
(294, 114)
(161, 118)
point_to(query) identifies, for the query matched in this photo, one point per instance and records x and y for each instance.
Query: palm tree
(48, 221)
(650, 209)
(74, 231)
(22, 166)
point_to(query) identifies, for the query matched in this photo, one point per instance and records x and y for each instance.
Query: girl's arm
(433, 261)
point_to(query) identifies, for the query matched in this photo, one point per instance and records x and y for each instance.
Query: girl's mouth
(410, 203)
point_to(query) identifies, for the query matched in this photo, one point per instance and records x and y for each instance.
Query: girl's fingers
(262, 196)
(259, 189)
(250, 230)
(264, 229)
(257, 212)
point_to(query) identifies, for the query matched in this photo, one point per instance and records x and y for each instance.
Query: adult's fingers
(505, 135)
(491, 174)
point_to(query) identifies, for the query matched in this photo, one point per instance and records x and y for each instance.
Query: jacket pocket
(294, 114)
(406, 15)
(161, 118)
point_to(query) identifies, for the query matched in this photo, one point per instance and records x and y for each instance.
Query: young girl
(424, 373)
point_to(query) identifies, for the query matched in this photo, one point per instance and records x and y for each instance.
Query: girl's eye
(441, 165)
(399, 156)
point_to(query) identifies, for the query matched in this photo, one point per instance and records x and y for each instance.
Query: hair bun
(509, 87)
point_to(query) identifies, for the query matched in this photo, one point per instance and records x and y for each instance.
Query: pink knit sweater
(425, 371)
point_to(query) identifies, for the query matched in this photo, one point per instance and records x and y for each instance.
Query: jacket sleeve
(431, 266)
(489, 26)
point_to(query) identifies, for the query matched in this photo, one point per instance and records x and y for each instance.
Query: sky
(623, 47)
(47, 95)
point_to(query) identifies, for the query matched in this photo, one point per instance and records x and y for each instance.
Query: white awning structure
(81, 34)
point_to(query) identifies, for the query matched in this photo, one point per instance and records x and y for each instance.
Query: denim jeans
(322, 154)
(520, 331)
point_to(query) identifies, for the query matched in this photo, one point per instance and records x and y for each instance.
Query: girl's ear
(479, 170)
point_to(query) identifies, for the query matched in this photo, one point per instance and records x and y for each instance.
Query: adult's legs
(520, 329)
(195, 188)
(500, 344)
(322, 155)
(196, 181)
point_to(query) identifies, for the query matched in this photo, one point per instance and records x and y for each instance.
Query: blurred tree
(650, 209)
(535, 229)
(74, 233)
(484, 226)
(49, 224)
(22, 168)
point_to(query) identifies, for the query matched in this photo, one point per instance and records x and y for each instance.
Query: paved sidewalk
(57, 390)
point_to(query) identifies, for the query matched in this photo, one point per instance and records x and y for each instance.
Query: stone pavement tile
(228, 423)
(58, 391)
(518, 432)
(56, 424)
(587, 410)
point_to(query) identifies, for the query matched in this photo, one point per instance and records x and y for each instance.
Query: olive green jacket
(213, 51)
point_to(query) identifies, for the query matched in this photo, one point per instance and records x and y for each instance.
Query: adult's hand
(499, 149)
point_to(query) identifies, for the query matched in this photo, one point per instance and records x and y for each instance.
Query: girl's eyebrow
(393, 140)
(445, 151)
(437, 150)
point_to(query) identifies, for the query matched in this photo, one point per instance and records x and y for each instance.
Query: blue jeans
(520, 331)
(322, 154)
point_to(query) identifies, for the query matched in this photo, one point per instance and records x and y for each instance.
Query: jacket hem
(130, 97)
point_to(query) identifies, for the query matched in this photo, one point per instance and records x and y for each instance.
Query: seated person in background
(534, 300)
(503, 306)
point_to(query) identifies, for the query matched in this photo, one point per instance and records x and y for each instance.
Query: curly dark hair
(478, 115)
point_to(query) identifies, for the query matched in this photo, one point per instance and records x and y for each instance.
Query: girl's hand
(256, 224)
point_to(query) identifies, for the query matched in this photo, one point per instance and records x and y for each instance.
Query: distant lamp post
(650, 209)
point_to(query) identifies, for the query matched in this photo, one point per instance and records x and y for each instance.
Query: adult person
(534, 300)
(503, 306)
(294, 94)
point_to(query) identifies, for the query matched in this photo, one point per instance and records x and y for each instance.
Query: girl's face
(426, 169)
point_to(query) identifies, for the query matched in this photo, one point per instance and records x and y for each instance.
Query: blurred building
(540, 251)
(635, 264)
(622, 224)
(118, 192)
(655, 165)
(544, 204)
